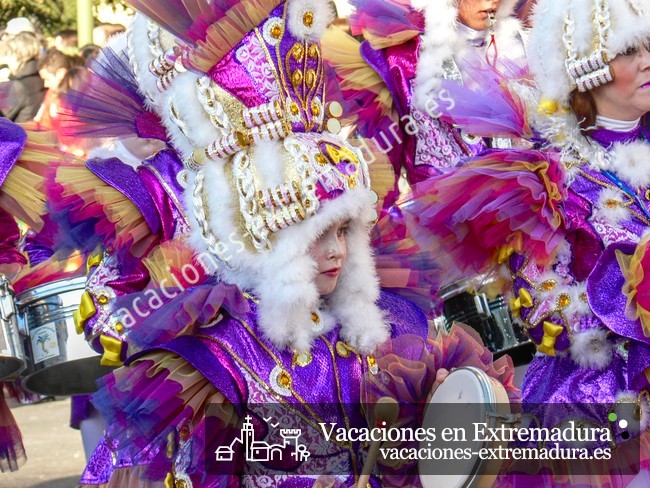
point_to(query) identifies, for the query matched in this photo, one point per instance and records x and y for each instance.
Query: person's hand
(441, 374)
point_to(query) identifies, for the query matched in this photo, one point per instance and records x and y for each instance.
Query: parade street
(55, 457)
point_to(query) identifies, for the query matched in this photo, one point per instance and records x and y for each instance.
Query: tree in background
(52, 16)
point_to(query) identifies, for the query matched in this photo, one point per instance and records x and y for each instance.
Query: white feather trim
(610, 206)
(288, 293)
(579, 306)
(441, 42)
(631, 163)
(308, 19)
(590, 349)
(564, 253)
(190, 126)
(269, 157)
(140, 54)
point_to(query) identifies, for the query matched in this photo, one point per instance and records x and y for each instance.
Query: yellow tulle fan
(218, 26)
(224, 34)
(167, 261)
(23, 194)
(342, 53)
(129, 224)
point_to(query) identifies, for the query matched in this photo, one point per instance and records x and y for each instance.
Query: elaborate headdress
(570, 47)
(240, 88)
(572, 43)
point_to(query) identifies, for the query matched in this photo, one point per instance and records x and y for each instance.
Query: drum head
(465, 397)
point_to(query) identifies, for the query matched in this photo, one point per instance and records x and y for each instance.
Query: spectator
(17, 25)
(89, 52)
(20, 53)
(66, 42)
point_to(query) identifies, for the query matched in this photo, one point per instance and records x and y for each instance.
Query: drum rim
(488, 386)
(51, 288)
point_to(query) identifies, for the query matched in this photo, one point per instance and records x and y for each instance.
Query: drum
(491, 318)
(12, 355)
(59, 361)
(467, 397)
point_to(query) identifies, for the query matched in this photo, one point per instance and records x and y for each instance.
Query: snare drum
(467, 397)
(59, 361)
(12, 355)
(491, 318)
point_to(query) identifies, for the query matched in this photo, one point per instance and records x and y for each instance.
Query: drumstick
(386, 411)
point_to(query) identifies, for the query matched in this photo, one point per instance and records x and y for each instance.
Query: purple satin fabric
(554, 379)
(149, 126)
(123, 178)
(158, 175)
(81, 408)
(584, 241)
(605, 297)
(607, 138)
(233, 78)
(12, 141)
(9, 237)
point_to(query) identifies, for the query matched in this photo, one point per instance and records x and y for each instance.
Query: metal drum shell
(490, 318)
(71, 367)
(12, 353)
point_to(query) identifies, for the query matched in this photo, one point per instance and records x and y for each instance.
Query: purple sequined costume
(249, 372)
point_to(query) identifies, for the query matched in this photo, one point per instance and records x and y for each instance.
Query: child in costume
(293, 313)
(567, 222)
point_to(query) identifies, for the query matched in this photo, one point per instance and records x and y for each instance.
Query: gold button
(276, 31)
(342, 349)
(548, 285)
(308, 18)
(335, 109)
(296, 78)
(284, 380)
(310, 78)
(563, 300)
(297, 51)
(313, 51)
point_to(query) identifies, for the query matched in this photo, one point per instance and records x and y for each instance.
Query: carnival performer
(292, 312)
(566, 222)
(24, 159)
(412, 47)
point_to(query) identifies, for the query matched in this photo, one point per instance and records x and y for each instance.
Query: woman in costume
(568, 223)
(293, 313)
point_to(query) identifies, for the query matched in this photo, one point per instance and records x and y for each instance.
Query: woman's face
(330, 252)
(473, 13)
(628, 96)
